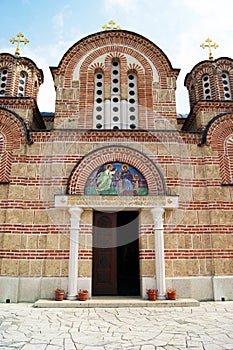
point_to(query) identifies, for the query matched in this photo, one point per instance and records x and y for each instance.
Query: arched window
(115, 111)
(132, 120)
(22, 84)
(226, 86)
(206, 87)
(98, 114)
(3, 80)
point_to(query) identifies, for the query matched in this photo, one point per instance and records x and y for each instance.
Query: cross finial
(208, 43)
(18, 41)
(111, 25)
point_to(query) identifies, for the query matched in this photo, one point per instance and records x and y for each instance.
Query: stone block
(85, 268)
(223, 287)
(147, 267)
(9, 289)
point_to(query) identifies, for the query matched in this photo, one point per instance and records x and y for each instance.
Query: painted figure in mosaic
(104, 178)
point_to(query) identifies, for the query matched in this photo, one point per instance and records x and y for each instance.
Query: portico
(156, 205)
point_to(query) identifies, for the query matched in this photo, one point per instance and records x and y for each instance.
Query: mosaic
(116, 179)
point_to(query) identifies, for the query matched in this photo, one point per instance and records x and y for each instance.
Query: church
(115, 192)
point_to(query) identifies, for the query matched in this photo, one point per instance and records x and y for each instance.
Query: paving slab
(207, 327)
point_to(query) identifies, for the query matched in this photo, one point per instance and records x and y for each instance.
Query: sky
(177, 27)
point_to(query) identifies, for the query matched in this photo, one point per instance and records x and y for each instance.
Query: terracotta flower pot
(171, 295)
(82, 296)
(59, 296)
(152, 295)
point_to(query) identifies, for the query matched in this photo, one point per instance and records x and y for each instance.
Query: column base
(161, 296)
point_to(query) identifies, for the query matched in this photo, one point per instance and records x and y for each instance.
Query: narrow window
(3, 80)
(22, 84)
(115, 96)
(206, 87)
(98, 115)
(132, 122)
(226, 86)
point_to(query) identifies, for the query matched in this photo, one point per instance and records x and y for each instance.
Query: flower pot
(82, 296)
(152, 295)
(59, 296)
(171, 295)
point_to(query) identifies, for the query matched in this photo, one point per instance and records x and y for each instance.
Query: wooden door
(104, 254)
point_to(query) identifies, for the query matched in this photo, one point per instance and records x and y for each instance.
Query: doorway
(115, 253)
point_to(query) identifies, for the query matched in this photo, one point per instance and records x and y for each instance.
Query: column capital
(75, 214)
(157, 213)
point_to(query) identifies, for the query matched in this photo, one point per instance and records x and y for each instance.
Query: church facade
(113, 192)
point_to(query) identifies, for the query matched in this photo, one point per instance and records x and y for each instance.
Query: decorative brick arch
(13, 132)
(82, 171)
(219, 135)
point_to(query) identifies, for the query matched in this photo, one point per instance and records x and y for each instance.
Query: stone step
(111, 302)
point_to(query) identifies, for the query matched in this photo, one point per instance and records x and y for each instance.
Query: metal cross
(209, 44)
(111, 25)
(18, 41)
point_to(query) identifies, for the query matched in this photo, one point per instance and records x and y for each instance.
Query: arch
(81, 172)
(14, 132)
(219, 135)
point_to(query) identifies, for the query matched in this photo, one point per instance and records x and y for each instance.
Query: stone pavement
(207, 327)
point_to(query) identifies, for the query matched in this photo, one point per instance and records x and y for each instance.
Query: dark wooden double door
(115, 253)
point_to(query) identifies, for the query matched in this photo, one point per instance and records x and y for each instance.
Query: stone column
(75, 214)
(159, 252)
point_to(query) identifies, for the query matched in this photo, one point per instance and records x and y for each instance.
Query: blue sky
(178, 27)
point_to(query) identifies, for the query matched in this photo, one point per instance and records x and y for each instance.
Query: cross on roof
(111, 25)
(208, 43)
(18, 41)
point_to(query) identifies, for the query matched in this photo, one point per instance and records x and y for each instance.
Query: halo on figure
(109, 167)
(125, 167)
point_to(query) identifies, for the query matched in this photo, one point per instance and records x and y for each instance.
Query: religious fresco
(117, 179)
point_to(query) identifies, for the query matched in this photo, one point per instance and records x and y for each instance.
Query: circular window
(4, 72)
(115, 72)
(131, 100)
(131, 77)
(99, 100)
(115, 81)
(22, 75)
(132, 117)
(3, 78)
(132, 109)
(99, 109)
(208, 97)
(227, 95)
(132, 93)
(115, 109)
(206, 85)
(115, 128)
(225, 82)
(22, 81)
(20, 95)
(206, 78)
(3, 85)
(99, 84)
(98, 126)
(207, 91)
(226, 88)
(115, 119)
(99, 117)
(132, 126)
(20, 88)
(99, 76)
(1, 92)
(224, 76)
(115, 99)
(131, 85)
(115, 89)
(99, 92)
(115, 63)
